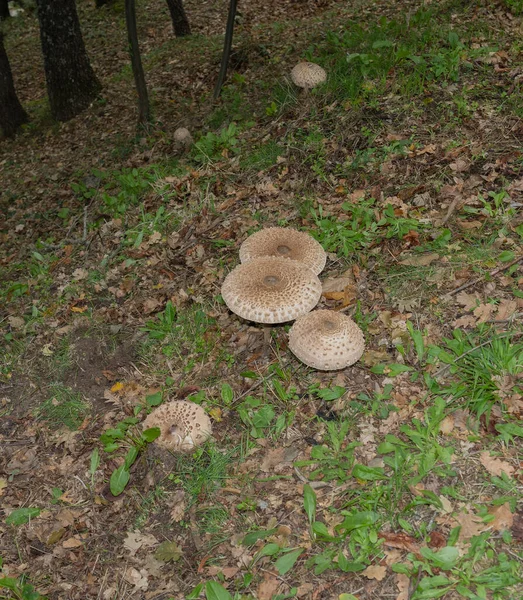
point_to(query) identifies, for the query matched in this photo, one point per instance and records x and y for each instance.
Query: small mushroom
(285, 243)
(308, 75)
(182, 139)
(326, 340)
(271, 290)
(183, 425)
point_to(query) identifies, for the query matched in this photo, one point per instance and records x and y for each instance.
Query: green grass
(64, 407)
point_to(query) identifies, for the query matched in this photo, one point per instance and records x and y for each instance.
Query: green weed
(215, 146)
(361, 226)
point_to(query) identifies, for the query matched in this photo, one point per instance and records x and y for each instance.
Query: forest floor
(399, 477)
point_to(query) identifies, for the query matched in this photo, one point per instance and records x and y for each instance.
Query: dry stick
(492, 273)
(501, 337)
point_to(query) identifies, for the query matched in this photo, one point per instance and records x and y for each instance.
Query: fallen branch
(492, 273)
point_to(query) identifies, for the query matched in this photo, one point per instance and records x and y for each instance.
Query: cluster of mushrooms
(277, 282)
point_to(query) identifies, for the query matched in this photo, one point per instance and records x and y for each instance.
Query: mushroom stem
(266, 339)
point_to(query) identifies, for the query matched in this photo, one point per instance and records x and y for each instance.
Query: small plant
(481, 573)
(126, 436)
(359, 227)
(18, 588)
(214, 146)
(334, 459)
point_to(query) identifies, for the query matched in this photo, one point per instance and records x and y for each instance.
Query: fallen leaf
(506, 308)
(3, 485)
(419, 260)
(447, 425)
(168, 551)
(71, 542)
(468, 301)
(464, 322)
(268, 587)
(503, 517)
(137, 578)
(495, 466)
(471, 525)
(483, 312)
(403, 585)
(16, 322)
(79, 274)
(401, 541)
(375, 572)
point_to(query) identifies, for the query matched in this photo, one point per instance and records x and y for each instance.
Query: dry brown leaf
(468, 301)
(469, 224)
(471, 525)
(268, 587)
(447, 425)
(336, 284)
(495, 466)
(506, 308)
(419, 260)
(376, 572)
(484, 312)
(71, 542)
(464, 322)
(503, 517)
(401, 541)
(403, 585)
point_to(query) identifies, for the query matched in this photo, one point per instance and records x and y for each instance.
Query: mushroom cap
(183, 136)
(271, 290)
(183, 425)
(308, 75)
(285, 243)
(326, 340)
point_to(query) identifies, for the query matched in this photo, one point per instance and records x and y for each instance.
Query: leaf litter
(264, 489)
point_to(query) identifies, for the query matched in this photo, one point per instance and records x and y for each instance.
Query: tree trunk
(179, 18)
(12, 115)
(4, 10)
(71, 82)
(144, 115)
(227, 45)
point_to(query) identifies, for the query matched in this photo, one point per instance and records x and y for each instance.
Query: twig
(499, 337)
(414, 587)
(492, 273)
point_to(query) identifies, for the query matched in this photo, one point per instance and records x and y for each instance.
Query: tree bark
(4, 10)
(179, 18)
(144, 114)
(12, 114)
(71, 82)
(227, 45)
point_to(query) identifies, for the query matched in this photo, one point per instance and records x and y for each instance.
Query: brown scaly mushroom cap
(308, 75)
(285, 243)
(326, 340)
(183, 425)
(271, 290)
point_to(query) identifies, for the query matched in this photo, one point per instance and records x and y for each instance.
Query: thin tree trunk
(12, 114)
(144, 114)
(227, 45)
(4, 10)
(179, 18)
(71, 82)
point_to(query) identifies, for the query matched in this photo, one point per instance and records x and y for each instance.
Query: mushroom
(271, 289)
(183, 425)
(308, 75)
(182, 139)
(285, 243)
(326, 340)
